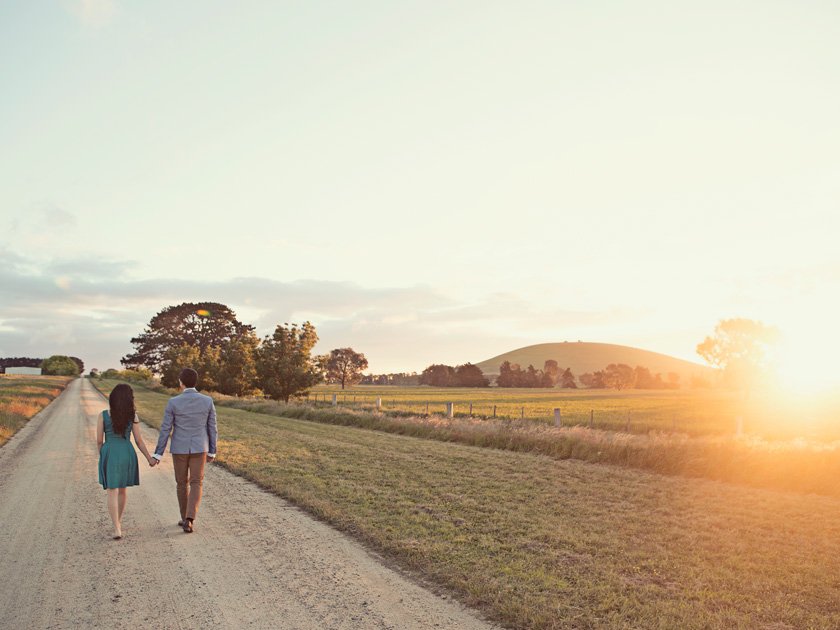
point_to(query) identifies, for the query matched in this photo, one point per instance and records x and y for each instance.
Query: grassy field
(693, 412)
(21, 397)
(539, 543)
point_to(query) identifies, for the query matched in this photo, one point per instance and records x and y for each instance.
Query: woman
(117, 459)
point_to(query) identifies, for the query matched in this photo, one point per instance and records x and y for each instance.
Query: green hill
(584, 357)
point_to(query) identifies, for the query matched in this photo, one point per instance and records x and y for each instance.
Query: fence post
(470, 410)
(494, 411)
(591, 418)
(522, 413)
(557, 422)
(427, 407)
(378, 404)
(335, 400)
(450, 410)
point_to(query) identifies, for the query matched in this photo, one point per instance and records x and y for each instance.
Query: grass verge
(536, 542)
(21, 397)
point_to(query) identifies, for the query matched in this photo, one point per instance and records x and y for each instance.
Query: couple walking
(190, 420)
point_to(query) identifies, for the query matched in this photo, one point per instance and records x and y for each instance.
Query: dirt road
(254, 561)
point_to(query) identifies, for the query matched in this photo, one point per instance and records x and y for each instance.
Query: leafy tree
(285, 366)
(740, 347)
(469, 375)
(201, 325)
(593, 380)
(618, 376)
(567, 379)
(237, 371)
(552, 370)
(60, 365)
(438, 375)
(345, 365)
(177, 358)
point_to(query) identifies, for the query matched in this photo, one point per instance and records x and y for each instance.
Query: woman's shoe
(188, 527)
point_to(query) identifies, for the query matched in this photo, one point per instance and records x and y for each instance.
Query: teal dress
(117, 458)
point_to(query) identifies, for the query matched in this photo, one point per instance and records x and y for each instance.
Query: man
(191, 419)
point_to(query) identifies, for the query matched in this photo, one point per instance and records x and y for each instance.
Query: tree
(285, 366)
(552, 370)
(201, 325)
(177, 358)
(739, 347)
(593, 380)
(618, 376)
(469, 375)
(567, 379)
(60, 365)
(237, 371)
(438, 375)
(345, 365)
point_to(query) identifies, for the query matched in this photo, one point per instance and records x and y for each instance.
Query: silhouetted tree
(201, 325)
(237, 371)
(740, 347)
(469, 375)
(618, 376)
(438, 375)
(567, 379)
(345, 365)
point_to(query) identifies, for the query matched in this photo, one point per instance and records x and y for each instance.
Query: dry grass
(537, 542)
(21, 397)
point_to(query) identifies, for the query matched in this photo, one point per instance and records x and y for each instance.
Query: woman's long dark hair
(122, 407)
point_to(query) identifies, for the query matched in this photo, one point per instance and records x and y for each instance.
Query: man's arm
(165, 430)
(212, 433)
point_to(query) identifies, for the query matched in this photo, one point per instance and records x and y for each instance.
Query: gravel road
(254, 561)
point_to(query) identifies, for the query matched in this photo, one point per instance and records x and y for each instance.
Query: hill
(583, 357)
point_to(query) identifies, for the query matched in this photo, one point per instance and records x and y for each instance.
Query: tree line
(231, 359)
(622, 376)
(56, 365)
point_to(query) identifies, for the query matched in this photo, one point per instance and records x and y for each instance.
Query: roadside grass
(23, 396)
(536, 542)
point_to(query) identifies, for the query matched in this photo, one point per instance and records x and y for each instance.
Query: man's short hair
(189, 377)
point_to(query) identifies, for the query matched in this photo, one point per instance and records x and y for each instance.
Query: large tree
(200, 325)
(285, 366)
(237, 372)
(438, 375)
(469, 375)
(740, 347)
(60, 365)
(344, 365)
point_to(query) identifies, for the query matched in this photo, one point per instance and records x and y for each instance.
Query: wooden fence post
(378, 404)
(494, 411)
(557, 422)
(470, 410)
(450, 410)
(335, 400)
(591, 418)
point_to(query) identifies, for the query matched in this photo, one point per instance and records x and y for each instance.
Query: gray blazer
(191, 419)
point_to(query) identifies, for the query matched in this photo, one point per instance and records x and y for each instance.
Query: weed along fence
(609, 415)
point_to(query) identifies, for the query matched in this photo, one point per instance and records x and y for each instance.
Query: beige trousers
(189, 475)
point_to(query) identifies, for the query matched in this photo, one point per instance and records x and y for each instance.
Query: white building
(23, 370)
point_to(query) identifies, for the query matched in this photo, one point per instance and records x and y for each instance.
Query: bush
(60, 365)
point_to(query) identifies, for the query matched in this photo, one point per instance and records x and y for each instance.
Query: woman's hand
(152, 461)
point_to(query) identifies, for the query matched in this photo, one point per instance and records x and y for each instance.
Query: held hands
(152, 461)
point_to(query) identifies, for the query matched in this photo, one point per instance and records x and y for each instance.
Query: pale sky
(424, 181)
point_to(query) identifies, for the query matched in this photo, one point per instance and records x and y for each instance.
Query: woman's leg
(123, 495)
(113, 510)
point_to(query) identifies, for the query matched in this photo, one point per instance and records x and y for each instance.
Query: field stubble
(21, 397)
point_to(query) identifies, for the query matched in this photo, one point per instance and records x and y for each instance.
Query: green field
(21, 397)
(539, 543)
(693, 412)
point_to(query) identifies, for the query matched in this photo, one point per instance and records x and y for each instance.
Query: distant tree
(551, 370)
(508, 375)
(111, 373)
(60, 365)
(567, 379)
(237, 371)
(740, 347)
(345, 365)
(285, 366)
(438, 375)
(593, 380)
(94, 373)
(673, 380)
(642, 378)
(201, 325)
(618, 376)
(469, 375)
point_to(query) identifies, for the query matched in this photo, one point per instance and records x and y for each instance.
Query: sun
(806, 363)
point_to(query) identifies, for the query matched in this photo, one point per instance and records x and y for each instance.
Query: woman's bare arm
(138, 439)
(100, 431)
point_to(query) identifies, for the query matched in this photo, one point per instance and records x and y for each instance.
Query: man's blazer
(191, 419)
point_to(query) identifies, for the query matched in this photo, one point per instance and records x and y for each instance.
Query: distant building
(24, 370)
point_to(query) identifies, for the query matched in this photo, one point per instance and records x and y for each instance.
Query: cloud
(92, 310)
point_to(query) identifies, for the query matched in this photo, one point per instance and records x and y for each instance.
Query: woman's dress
(117, 458)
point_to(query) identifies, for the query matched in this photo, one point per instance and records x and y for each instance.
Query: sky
(424, 181)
